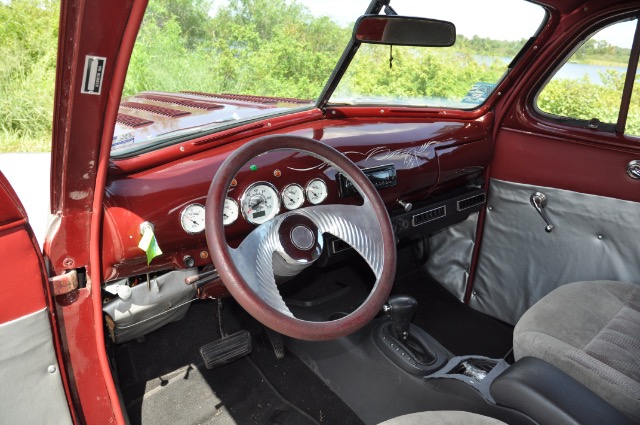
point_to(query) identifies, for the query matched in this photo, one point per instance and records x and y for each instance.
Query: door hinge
(64, 283)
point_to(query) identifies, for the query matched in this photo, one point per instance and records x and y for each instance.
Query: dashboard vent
(197, 104)
(430, 215)
(463, 204)
(159, 110)
(131, 121)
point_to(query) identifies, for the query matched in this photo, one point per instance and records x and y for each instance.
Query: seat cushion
(444, 417)
(590, 330)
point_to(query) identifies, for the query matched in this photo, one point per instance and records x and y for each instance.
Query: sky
(470, 23)
(496, 19)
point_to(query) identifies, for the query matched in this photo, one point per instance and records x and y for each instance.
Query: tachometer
(230, 211)
(260, 203)
(192, 219)
(292, 196)
(317, 191)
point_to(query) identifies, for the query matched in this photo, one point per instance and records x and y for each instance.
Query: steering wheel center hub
(302, 237)
(300, 240)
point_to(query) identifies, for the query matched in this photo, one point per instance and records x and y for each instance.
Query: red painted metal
(131, 121)
(191, 147)
(564, 164)
(23, 279)
(531, 148)
(182, 101)
(159, 194)
(87, 28)
(160, 110)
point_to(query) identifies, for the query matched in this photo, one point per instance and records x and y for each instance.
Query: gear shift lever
(401, 308)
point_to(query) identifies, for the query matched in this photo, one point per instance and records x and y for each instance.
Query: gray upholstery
(443, 417)
(590, 330)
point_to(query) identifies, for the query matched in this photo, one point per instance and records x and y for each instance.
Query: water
(569, 71)
(574, 71)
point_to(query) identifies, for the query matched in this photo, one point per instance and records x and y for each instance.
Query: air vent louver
(265, 100)
(471, 202)
(198, 104)
(131, 121)
(430, 215)
(159, 110)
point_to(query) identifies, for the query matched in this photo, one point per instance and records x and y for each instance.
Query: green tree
(28, 45)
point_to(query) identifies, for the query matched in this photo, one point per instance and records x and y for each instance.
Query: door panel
(594, 238)
(32, 391)
(565, 163)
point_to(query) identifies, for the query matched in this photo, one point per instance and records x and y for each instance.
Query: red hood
(146, 117)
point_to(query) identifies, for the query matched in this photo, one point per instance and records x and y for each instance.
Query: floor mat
(163, 380)
(455, 325)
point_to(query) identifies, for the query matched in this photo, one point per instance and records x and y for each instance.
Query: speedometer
(260, 203)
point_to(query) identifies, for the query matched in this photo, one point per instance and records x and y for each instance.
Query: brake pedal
(226, 350)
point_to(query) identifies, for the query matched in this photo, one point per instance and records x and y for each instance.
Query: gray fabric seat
(591, 331)
(444, 417)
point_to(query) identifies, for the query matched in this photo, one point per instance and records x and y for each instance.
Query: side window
(587, 89)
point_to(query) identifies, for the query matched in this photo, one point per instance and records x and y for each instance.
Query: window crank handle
(539, 201)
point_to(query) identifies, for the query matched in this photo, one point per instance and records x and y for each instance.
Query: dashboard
(410, 161)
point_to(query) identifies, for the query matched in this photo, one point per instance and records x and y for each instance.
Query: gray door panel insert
(31, 390)
(594, 238)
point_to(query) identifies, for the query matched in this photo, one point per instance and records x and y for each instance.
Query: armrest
(551, 397)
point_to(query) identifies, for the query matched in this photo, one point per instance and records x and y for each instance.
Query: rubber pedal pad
(276, 343)
(225, 350)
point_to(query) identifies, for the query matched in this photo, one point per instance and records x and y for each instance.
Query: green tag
(149, 244)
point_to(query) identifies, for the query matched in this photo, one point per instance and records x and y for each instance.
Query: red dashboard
(429, 157)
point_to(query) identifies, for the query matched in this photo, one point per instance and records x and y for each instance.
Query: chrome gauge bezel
(288, 187)
(237, 207)
(312, 200)
(274, 211)
(183, 214)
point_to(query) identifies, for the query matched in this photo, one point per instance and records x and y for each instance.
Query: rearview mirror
(404, 31)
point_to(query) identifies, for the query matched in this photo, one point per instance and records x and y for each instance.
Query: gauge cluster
(259, 203)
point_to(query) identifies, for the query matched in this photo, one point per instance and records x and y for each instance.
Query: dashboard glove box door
(150, 306)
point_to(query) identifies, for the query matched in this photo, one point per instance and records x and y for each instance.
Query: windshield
(490, 34)
(201, 66)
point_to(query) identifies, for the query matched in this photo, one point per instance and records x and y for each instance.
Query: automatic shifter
(401, 309)
(414, 351)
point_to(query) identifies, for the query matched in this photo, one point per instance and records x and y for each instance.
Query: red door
(32, 389)
(574, 162)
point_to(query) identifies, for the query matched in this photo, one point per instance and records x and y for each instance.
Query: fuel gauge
(317, 191)
(292, 196)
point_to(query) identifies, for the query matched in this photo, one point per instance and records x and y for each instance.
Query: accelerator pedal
(276, 343)
(226, 350)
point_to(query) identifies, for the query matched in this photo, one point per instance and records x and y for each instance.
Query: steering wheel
(290, 242)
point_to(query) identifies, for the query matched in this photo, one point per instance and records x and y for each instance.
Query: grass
(10, 143)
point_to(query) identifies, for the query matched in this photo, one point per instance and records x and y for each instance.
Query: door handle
(539, 201)
(633, 169)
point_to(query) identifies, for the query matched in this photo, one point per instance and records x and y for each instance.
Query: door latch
(539, 202)
(64, 283)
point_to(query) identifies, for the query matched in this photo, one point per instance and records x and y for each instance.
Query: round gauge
(192, 219)
(292, 196)
(317, 191)
(230, 211)
(260, 203)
